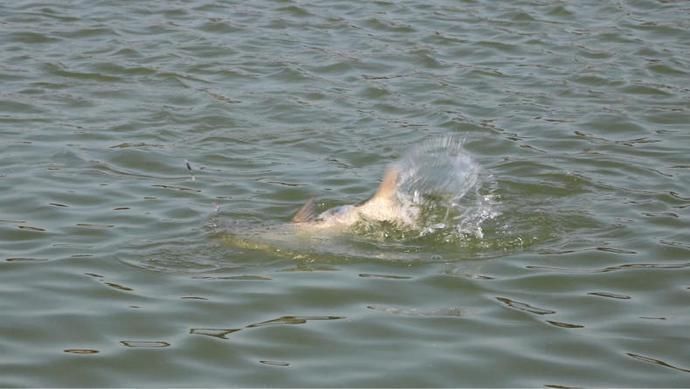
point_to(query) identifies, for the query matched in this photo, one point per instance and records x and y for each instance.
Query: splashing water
(440, 185)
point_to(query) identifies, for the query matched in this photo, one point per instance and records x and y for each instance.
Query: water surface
(113, 271)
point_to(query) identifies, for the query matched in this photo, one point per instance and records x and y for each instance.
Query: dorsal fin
(307, 213)
(388, 185)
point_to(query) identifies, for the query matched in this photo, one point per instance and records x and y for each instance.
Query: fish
(430, 193)
(383, 206)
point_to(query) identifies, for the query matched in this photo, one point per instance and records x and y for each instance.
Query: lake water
(121, 267)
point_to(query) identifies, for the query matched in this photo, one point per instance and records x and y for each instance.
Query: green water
(114, 270)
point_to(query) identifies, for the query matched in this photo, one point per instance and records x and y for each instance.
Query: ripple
(219, 26)
(520, 306)
(177, 188)
(95, 226)
(32, 37)
(145, 343)
(610, 295)
(380, 24)
(31, 228)
(652, 318)
(615, 250)
(222, 333)
(294, 10)
(616, 268)
(564, 325)
(58, 70)
(81, 351)
(414, 312)
(244, 277)
(276, 363)
(25, 259)
(119, 287)
(633, 266)
(667, 69)
(290, 320)
(385, 276)
(657, 362)
(673, 243)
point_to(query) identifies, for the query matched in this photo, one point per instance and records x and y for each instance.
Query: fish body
(383, 206)
(424, 194)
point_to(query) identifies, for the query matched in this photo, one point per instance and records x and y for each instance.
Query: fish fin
(388, 185)
(307, 213)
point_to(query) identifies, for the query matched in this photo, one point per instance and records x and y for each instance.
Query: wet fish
(383, 206)
(422, 195)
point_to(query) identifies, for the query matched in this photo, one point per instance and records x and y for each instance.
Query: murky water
(566, 262)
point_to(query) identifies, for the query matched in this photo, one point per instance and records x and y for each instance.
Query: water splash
(442, 184)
